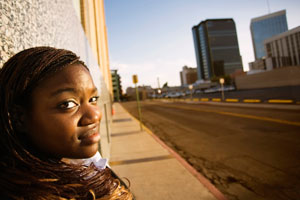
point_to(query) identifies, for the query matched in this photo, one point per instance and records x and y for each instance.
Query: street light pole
(159, 92)
(222, 87)
(191, 88)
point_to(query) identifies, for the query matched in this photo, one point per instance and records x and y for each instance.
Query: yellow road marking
(280, 101)
(261, 118)
(232, 100)
(204, 99)
(240, 115)
(216, 99)
(251, 100)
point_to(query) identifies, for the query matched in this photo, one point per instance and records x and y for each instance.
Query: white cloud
(148, 72)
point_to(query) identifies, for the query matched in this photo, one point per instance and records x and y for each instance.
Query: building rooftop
(291, 31)
(274, 14)
(220, 19)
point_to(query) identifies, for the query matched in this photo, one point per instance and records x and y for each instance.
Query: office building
(116, 83)
(283, 50)
(265, 27)
(188, 75)
(216, 48)
(257, 65)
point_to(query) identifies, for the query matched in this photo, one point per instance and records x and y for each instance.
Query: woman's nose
(91, 114)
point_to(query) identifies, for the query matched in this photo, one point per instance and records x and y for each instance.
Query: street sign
(135, 79)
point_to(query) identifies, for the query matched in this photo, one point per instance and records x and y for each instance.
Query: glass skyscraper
(265, 27)
(216, 47)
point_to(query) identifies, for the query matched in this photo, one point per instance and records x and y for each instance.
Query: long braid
(23, 174)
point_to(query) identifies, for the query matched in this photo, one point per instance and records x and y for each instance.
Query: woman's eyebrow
(71, 90)
(94, 90)
(62, 90)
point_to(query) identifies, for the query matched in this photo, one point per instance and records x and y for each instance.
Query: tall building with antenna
(265, 27)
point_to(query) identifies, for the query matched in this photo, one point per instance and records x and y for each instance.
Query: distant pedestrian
(48, 114)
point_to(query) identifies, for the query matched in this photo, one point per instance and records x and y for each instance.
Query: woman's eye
(94, 99)
(68, 105)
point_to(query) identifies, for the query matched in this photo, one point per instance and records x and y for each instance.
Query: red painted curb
(191, 169)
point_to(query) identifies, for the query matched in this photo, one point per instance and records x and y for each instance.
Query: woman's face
(64, 118)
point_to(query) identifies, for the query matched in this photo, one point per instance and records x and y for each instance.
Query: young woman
(48, 108)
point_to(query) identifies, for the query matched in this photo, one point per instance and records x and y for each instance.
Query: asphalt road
(247, 153)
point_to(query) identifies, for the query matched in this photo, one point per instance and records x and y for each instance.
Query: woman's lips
(89, 138)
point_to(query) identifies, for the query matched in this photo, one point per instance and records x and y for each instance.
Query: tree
(165, 85)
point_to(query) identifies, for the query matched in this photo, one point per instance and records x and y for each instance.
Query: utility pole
(269, 10)
(158, 83)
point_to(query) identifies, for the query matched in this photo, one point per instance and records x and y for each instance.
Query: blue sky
(153, 38)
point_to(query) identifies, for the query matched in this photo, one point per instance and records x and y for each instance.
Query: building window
(268, 47)
(293, 49)
(281, 56)
(277, 53)
(297, 36)
(289, 61)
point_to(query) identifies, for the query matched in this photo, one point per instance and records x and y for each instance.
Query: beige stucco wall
(29, 23)
(93, 21)
(286, 76)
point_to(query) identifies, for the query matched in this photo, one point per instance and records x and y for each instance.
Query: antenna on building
(268, 6)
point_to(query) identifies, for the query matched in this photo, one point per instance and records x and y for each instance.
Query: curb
(234, 100)
(190, 168)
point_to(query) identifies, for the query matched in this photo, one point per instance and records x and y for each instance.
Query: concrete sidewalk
(154, 170)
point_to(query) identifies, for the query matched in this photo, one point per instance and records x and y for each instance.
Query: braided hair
(23, 174)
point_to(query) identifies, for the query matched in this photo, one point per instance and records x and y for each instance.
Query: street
(246, 152)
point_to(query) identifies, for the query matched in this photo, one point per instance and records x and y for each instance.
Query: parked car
(219, 89)
(198, 91)
(172, 95)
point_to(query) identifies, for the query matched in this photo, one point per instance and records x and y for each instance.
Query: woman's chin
(89, 152)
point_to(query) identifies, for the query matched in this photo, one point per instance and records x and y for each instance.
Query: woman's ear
(18, 116)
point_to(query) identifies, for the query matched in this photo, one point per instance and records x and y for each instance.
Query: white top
(98, 161)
